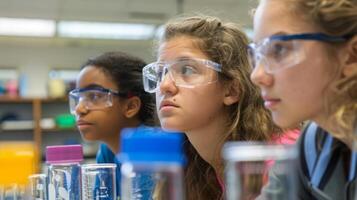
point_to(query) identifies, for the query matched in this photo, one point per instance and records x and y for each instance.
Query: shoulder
(310, 145)
(104, 154)
(312, 136)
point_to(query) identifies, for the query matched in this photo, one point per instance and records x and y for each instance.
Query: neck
(113, 140)
(113, 143)
(208, 142)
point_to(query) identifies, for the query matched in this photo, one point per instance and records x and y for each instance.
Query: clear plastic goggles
(283, 51)
(92, 98)
(186, 73)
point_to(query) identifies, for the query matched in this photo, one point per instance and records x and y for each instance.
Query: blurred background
(44, 42)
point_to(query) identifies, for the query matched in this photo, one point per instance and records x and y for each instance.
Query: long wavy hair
(337, 18)
(223, 43)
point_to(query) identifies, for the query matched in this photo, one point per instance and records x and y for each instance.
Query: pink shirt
(288, 137)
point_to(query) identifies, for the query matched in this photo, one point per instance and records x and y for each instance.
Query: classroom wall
(35, 57)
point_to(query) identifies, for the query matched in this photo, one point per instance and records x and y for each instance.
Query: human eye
(188, 70)
(279, 50)
(95, 96)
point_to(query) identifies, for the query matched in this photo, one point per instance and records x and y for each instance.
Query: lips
(270, 102)
(83, 123)
(167, 104)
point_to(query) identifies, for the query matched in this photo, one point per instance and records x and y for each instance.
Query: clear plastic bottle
(64, 172)
(37, 187)
(247, 167)
(152, 165)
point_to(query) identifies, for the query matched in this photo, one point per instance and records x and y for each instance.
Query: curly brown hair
(223, 43)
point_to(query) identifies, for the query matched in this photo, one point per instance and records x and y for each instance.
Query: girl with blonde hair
(304, 57)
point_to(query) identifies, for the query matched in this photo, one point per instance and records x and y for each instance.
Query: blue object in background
(105, 155)
(151, 144)
(2, 88)
(150, 149)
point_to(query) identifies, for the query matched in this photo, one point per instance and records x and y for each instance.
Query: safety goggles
(282, 51)
(92, 98)
(187, 73)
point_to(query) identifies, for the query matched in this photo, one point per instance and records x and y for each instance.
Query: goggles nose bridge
(165, 70)
(76, 102)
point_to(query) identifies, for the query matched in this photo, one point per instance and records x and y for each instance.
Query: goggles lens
(276, 54)
(282, 51)
(91, 99)
(185, 73)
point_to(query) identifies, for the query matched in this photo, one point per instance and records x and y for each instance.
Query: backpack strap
(353, 166)
(310, 151)
(322, 162)
(317, 162)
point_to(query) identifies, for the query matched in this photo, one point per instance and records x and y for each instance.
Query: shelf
(54, 100)
(43, 130)
(58, 130)
(15, 130)
(18, 99)
(40, 108)
(15, 99)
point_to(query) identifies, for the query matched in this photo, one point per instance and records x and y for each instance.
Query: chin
(284, 122)
(168, 126)
(89, 137)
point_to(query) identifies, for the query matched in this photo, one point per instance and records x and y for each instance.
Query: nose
(167, 84)
(80, 108)
(260, 77)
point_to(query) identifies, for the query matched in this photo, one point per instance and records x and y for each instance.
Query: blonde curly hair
(337, 18)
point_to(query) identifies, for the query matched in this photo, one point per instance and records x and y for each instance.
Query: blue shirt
(144, 182)
(105, 155)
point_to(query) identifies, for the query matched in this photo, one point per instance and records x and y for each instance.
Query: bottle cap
(148, 144)
(64, 154)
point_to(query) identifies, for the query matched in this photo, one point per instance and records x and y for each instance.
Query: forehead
(179, 47)
(91, 75)
(277, 17)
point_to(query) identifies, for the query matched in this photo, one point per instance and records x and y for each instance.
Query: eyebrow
(272, 35)
(280, 33)
(181, 58)
(93, 86)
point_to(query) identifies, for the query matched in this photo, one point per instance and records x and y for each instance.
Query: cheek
(115, 113)
(110, 115)
(204, 101)
(302, 86)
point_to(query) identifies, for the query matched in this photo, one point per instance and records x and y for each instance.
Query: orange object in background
(18, 160)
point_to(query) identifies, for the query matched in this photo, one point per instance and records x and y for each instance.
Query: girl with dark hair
(109, 96)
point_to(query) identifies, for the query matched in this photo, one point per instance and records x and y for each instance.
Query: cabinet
(33, 110)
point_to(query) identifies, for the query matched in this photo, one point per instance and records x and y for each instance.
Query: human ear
(350, 61)
(132, 106)
(231, 94)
